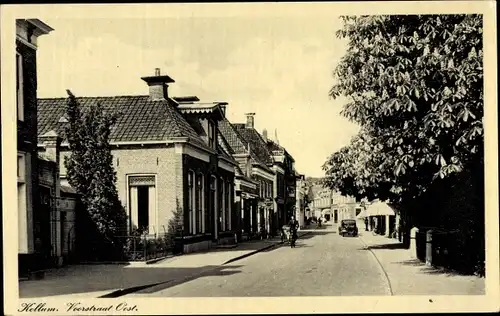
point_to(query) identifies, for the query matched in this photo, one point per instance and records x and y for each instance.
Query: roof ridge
(97, 97)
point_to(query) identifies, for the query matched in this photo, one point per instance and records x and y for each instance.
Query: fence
(146, 247)
(449, 248)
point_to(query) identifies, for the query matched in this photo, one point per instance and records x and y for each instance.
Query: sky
(277, 67)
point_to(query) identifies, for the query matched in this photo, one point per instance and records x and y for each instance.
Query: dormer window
(212, 134)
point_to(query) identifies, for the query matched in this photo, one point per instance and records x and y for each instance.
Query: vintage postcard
(244, 158)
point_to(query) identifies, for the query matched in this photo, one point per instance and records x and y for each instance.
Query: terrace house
(275, 176)
(254, 182)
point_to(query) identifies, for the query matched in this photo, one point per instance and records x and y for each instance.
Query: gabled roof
(257, 143)
(139, 118)
(223, 150)
(234, 140)
(239, 144)
(226, 148)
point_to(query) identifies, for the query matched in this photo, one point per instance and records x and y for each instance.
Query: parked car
(348, 227)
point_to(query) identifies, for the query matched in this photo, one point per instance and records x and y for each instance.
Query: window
(142, 208)
(223, 204)
(213, 196)
(220, 204)
(20, 87)
(212, 134)
(22, 203)
(200, 204)
(191, 198)
(227, 217)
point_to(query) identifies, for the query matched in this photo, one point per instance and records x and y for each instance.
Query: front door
(42, 227)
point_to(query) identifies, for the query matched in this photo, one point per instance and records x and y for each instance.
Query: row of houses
(333, 206)
(379, 216)
(231, 182)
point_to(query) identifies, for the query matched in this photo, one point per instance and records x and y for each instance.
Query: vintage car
(348, 227)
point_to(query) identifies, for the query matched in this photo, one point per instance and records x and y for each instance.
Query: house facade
(286, 180)
(167, 159)
(33, 221)
(278, 183)
(255, 195)
(323, 205)
(300, 199)
(344, 207)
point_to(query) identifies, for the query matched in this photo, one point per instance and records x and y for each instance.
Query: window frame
(191, 200)
(230, 203)
(227, 210)
(214, 188)
(212, 134)
(200, 196)
(21, 167)
(223, 204)
(128, 203)
(20, 87)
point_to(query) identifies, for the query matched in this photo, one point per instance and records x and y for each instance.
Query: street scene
(322, 264)
(250, 157)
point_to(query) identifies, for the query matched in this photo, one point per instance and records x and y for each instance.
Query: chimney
(158, 85)
(264, 135)
(250, 120)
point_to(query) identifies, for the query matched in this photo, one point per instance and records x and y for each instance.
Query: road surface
(322, 264)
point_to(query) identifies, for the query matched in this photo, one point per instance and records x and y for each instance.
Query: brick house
(167, 157)
(274, 186)
(33, 223)
(255, 183)
(284, 164)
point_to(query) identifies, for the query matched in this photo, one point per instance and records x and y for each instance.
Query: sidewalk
(409, 276)
(92, 281)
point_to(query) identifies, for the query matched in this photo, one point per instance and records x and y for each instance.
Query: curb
(379, 263)
(252, 253)
(130, 290)
(261, 249)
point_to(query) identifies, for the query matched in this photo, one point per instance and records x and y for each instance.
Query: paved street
(323, 263)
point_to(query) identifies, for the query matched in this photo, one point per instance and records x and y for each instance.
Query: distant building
(344, 207)
(333, 206)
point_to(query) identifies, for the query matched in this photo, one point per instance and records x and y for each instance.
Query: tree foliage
(89, 167)
(415, 86)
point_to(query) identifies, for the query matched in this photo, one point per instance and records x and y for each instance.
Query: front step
(226, 246)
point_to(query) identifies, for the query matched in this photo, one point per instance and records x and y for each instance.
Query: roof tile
(139, 118)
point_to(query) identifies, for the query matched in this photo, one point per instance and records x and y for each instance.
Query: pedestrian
(293, 230)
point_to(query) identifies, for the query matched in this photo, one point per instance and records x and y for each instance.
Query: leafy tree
(90, 170)
(415, 85)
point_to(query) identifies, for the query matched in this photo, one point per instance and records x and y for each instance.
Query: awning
(379, 209)
(363, 214)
